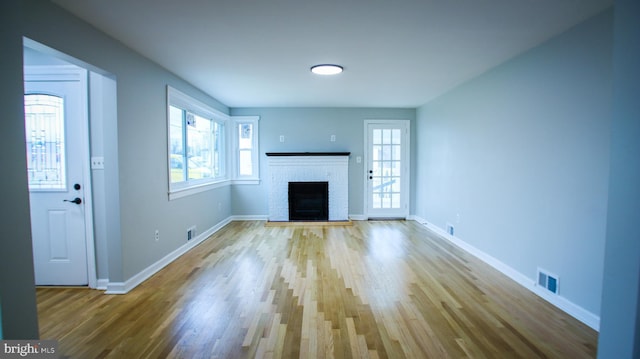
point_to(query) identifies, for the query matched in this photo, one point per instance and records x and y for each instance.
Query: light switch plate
(97, 163)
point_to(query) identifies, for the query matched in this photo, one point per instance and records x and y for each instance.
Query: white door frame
(405, 188)
(60, 73)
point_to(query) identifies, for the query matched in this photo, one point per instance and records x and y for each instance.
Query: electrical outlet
(281, 138)
(157, 235)
(332, 138)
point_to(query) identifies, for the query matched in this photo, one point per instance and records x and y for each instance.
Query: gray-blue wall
(517, 160)
(308, 130)
(141, 143)
(17, 291)
(620, 328)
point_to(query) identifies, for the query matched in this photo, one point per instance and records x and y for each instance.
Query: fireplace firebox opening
(308, 201)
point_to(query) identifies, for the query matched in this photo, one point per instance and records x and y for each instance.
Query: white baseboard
(101, 284)
(256, 217)
(562, 303)
(129, 284)
(116, 288)
(357, 217)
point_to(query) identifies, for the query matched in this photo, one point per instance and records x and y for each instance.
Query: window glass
(246, 166)
(246, 144)
(199, 145)
(176, 145)
(396, 136)
(386, 136)
(46, 156)
(196, 152)
(377, 136)
(218, 147)
(203, 139)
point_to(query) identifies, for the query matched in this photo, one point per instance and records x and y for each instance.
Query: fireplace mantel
(289, 154)
(331, 167)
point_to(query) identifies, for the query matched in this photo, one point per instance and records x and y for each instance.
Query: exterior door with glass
(54, 148)
(387, 168)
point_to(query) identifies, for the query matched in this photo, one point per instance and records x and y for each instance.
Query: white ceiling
(257, 53)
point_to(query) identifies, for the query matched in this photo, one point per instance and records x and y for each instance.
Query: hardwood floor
(372, 289)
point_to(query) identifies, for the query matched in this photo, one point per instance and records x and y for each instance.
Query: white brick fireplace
(331, 167)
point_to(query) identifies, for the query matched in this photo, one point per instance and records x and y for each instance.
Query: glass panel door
(56, 140)
(387, 160)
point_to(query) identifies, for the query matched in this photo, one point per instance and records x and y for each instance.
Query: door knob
(76, 200)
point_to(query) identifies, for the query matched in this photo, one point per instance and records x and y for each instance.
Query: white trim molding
(574, 310)
(131, 283)
(255, 217)
(102, 284)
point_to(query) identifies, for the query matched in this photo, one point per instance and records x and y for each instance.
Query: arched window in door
(45, 139)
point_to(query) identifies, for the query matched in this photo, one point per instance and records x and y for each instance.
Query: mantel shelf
(289, 154)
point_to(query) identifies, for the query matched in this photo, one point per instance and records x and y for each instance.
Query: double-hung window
(197, 153)
(246, 148)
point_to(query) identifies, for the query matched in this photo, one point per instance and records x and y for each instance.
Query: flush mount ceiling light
(326, 69)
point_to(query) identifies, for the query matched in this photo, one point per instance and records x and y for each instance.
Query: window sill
(252, 181)
(185, 192)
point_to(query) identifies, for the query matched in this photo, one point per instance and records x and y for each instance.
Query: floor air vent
(548, 281)
(191, 233)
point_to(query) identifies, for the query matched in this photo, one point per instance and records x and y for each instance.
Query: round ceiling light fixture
(326, 69)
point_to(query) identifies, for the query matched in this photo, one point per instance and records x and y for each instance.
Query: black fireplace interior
(308, 201)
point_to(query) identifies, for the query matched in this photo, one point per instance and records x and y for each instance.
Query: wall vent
(191, 233)
(450, 229)
(548, 280)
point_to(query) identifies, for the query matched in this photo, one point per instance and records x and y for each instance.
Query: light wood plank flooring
(379, 289)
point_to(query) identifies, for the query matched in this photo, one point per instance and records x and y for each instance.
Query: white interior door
(54, 143)
(387, 168)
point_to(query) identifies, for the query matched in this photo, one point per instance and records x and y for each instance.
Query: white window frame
(182, 189)
(255, 148)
